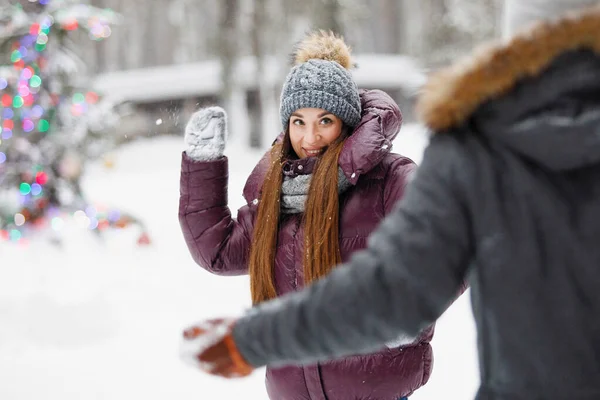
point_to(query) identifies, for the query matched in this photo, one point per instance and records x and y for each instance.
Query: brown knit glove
(210, 346)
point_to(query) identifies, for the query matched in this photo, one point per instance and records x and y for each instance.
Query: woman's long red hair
(321, 220)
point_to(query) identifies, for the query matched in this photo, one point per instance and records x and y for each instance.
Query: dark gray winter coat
(508, 195)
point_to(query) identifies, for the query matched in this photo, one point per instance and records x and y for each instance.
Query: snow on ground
(101, 319)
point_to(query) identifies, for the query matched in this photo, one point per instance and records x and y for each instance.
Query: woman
(312, 201)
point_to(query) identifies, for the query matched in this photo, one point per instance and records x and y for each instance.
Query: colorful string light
(28, 108)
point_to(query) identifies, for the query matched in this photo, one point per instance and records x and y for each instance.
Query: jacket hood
(538, 94)
(372, 138)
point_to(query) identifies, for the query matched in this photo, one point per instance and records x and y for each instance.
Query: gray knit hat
(321, 79)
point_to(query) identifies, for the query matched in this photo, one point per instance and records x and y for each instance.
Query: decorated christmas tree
(51, 124)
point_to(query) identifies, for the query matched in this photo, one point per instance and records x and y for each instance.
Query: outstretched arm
(411, 271)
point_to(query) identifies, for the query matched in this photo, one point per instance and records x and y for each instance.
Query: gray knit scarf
(295, 191)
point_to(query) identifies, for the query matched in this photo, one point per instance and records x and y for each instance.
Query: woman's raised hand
(206, 134)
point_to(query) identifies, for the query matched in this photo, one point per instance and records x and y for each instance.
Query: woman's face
(312, 130)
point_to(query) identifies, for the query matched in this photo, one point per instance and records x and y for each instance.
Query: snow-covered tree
(452, 28)
(51, 124)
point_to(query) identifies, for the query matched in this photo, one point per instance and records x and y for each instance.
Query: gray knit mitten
(206, 134)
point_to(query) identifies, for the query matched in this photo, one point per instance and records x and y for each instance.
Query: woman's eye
(326, 121)
(297, 122)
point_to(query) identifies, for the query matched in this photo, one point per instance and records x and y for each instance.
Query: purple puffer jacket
(221, 244)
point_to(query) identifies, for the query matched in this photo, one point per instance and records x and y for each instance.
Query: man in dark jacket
(507, 196)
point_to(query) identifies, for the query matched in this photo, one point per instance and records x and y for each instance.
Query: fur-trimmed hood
(536, 93)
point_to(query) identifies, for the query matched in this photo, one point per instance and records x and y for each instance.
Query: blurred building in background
(170, 57)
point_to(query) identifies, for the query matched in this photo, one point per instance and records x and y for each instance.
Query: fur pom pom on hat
(323, 46)
(321, 79)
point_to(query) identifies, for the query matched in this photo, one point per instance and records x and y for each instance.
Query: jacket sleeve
(403, 281)
(217, 242)
(400, 173)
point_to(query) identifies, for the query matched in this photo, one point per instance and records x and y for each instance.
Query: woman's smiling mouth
(312, 152)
